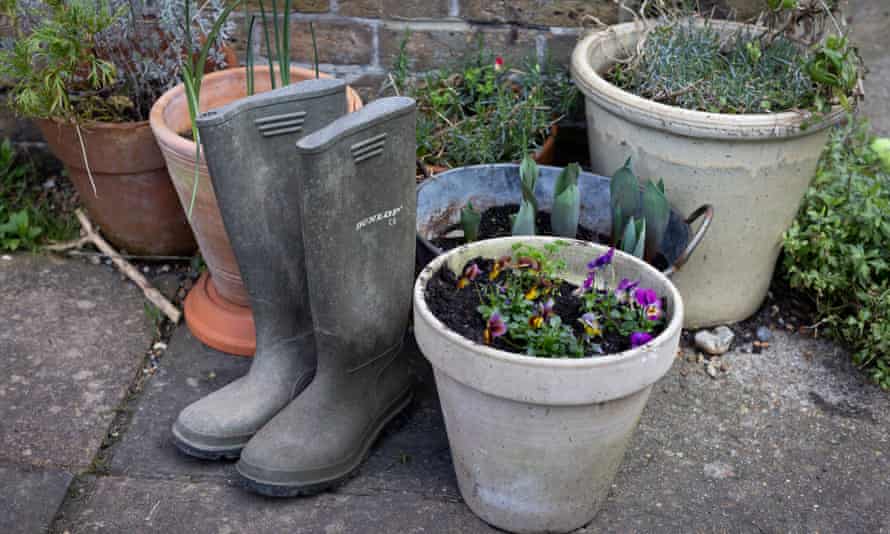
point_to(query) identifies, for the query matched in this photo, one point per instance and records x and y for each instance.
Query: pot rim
(170, 138)
(748, 126)
(672, 329)
(98, 124)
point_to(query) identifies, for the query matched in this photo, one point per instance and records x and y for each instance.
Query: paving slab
(790, 440)
(73, 334)
(412, 454)
(121, 504)
(30, 497)
(869, 21)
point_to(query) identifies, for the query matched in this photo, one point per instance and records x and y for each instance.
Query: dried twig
(92, 236)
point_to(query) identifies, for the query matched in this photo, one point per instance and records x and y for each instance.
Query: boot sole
(206, 453)
(298, 489)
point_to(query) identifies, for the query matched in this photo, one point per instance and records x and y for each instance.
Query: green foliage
(18, 231)
(524, 222)
(470, 219)
(837, 249)
(55, 70)
(277, 45)
(105, 60)
(192, 74)
(479, 112)
(639, 222)
(26, 217)
(691, 66)
(834, 67)
(566, 202)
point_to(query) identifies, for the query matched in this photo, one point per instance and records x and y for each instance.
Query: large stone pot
(134, 202)
(536, 442)
(218, 313)
(754, 169)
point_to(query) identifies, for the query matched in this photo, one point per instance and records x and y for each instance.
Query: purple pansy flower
(496, 327)
(625, 289)
(545, 309)
(639, 338)
(591, 324)
(649, 301)
(587, 285)
(602, 261)
(472, 271)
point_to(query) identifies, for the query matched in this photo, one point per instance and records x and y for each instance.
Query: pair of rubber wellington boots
(320, 207)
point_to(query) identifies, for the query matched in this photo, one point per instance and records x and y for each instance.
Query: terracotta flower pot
(169, 118)
(134, 202)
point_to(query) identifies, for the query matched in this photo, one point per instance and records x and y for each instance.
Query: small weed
(29, 213)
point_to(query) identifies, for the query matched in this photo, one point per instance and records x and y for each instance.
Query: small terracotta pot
(169, 118)
(134, 202)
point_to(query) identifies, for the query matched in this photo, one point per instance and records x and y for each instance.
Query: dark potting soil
(457, 308)
(496, 223)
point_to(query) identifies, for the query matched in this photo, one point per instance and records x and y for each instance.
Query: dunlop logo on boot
(368, 148)
(281, 124)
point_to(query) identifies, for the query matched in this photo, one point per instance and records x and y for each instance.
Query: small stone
(724, 366)
(49, 184)
(718, 470)
(95, 260)
(764, 333)
(6, 257)
(715, 342)
(712, 370)
(160, 345)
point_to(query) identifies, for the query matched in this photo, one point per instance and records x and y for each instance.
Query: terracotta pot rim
(98, 124)
(176, 142)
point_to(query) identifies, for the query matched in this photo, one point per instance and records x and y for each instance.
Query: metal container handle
(707, 212)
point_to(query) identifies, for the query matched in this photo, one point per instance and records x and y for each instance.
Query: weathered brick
(560, 46)
(429, 49)
(301, 6)
(538, 12)
(395, 9)
(16, 128)
(339, 42)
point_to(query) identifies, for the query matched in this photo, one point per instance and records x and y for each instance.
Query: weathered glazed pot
(134, 202)
(227, 328)
(754, 169)
(536, 442)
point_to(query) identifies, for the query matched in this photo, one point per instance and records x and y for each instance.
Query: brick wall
(359, 39)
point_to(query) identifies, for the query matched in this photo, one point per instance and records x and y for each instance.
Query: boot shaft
(249, 147)
(359, 210)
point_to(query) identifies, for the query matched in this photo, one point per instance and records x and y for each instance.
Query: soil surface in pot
(496, 223)
(457, 308)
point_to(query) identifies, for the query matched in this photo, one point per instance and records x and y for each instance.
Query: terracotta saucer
(218, 323)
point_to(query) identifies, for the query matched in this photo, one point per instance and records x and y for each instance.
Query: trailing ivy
(838, 249)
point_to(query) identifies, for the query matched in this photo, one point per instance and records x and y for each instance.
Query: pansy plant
(522, 296)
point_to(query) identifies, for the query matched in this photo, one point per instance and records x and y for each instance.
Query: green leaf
(524, 223)
(656, 214)
(470, 219)
(625, 198)
(528, 176)
(629, 241)
(639, 248)
(566, 212)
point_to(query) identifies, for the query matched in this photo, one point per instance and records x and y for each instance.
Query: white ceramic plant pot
(754, 169)
(536, 442)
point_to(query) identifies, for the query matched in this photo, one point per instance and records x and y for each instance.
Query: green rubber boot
(359, 206)
(250, 153)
